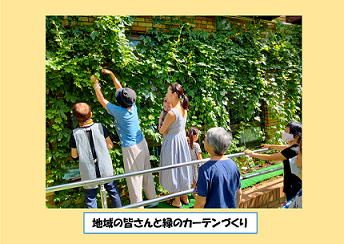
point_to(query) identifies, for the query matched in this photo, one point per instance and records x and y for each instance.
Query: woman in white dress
(175, 148)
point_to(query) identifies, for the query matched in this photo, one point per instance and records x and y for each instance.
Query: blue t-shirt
(126, 124)
(219, 181)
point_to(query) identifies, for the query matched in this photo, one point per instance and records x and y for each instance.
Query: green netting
(71, 173)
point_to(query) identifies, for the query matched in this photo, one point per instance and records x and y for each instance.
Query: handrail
(158, 199)
(244, 177)
(100, 181)
(181, 193)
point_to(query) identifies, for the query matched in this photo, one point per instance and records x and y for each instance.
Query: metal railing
(102, 181)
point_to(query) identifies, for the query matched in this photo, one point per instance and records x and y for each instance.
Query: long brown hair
(192, 132)
(180, 92)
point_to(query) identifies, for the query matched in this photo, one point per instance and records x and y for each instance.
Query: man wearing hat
(134, 146)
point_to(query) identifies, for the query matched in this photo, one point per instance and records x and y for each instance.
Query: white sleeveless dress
(175, 150)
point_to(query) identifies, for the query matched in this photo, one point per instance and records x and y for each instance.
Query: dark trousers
(111, 188)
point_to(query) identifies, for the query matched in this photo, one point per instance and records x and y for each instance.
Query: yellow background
(23, 214)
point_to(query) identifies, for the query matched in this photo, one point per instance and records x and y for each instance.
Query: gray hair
(219, 139)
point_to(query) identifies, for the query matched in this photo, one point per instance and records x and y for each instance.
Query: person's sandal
(169, 202)
(184, 202)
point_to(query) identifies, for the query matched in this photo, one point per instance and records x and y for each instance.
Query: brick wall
(269, 121)
(268, 195)
(143, 24)
(83, 20)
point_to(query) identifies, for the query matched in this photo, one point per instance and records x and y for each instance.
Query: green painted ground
(257, 179)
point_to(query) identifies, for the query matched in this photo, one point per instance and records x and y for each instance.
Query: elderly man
(218, 184)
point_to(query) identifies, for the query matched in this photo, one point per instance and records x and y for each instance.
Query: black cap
(126, 97)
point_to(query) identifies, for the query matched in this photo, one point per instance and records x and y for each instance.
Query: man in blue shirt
(134, 146)
(218, 184)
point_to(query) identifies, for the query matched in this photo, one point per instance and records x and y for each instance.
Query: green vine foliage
(229, 76)
(75, 51)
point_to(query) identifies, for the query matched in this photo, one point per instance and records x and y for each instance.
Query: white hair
(219, 139)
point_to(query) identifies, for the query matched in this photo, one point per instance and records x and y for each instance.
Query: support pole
(103, 196)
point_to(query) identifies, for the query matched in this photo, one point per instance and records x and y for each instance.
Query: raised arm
(268, 157)
(115, 80)
(276, 147)
(99, 94)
